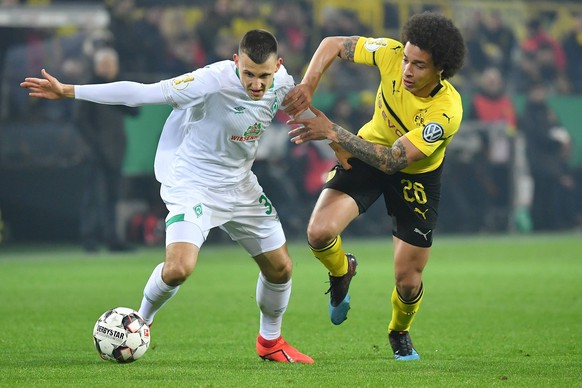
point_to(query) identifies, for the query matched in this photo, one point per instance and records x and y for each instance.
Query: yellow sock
(333, 257)
(403, 313)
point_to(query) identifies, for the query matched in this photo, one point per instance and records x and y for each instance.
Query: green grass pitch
(498, 311)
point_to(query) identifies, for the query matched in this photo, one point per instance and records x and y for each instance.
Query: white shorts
(244, 213)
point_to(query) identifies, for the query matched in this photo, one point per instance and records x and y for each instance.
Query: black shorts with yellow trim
(411, 200)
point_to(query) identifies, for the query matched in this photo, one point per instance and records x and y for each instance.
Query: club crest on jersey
(419, 117)
(181, 83)
(432, 132)
(252, 133)
(373, 44)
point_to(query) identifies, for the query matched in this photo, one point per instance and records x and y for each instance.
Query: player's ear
(279, 63)
(235, 59)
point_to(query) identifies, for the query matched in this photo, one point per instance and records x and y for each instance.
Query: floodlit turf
(498, 311)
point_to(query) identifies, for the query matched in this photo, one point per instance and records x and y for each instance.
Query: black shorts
(411, 199)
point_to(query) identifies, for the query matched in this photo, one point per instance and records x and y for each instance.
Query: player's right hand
(48, 87)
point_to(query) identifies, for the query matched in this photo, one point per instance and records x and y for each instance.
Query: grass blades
(498, 311)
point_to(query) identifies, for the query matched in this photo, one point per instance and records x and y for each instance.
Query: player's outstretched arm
(387, 159)
(330, 48)
(48, 87)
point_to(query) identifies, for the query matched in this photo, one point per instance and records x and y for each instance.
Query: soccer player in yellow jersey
(399, 154)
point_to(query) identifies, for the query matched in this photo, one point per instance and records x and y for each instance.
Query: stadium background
(41, 152)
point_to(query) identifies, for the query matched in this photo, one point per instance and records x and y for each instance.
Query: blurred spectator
(542, 59)
(248, 15)
(185, 54)
(491, 105)
(102, 128)
(217, 17)
(491, 43)
(340, 21)
(150, 44)
(548, 145)
(127, 41)
(293, 29)
(573, 49)
(9, 37)
(344, 113)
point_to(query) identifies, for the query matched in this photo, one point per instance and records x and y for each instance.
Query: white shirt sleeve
(307, 114)
(122, 93)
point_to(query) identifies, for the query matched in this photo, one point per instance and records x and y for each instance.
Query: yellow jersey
(428, 122)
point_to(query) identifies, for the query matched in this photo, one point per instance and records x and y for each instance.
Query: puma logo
(423, 234)
(422, 213)
(448, 118)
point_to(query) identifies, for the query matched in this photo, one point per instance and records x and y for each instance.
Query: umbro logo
(239, 109)
(425, 235)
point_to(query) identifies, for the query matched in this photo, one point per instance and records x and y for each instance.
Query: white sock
(155, 294)
(272, 300)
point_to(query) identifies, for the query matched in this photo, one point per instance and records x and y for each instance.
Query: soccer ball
(121, 335)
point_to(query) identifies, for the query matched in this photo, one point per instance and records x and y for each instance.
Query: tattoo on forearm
(387, 159)
(349, 48)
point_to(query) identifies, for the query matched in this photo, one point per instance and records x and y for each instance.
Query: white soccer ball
(121, 335)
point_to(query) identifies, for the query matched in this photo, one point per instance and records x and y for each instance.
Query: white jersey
(212, 134)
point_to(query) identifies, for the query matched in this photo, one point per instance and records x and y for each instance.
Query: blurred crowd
(512, 166)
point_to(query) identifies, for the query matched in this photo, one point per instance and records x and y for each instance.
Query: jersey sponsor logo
(432, 132)
(250, 134)
(181, 83)
(373, 44)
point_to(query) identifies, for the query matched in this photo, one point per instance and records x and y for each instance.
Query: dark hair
(259, 45)
(437, 35)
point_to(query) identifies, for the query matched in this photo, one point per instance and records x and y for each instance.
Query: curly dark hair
(437, 35)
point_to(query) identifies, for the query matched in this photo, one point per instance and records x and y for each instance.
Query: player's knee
(280, 273)
(408, 287)
(175, 274)
(319, 235)
(284, 271)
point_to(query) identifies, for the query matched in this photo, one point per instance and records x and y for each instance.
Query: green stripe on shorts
(176, 218)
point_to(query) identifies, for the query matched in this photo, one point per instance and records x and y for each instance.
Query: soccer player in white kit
(203, 162)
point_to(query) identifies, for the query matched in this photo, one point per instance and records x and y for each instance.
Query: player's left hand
(298, 100)
(315, 128)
